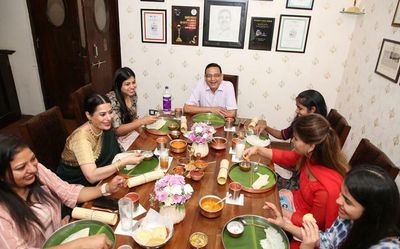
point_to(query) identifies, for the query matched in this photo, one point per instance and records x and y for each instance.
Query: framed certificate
(300, 4)
(396, 17)
(292, 34)
(388, 64)
(153, 25)
(224, 23)
(185, 25)
(261, 33)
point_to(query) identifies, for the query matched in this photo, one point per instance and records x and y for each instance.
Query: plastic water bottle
(167, 101)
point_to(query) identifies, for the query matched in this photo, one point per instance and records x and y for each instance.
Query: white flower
(168, 202)
(187, 189)
(176, 190)
(168, 189)
(198, 130)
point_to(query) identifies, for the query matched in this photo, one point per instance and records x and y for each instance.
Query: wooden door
(59, 50)
(101, 20)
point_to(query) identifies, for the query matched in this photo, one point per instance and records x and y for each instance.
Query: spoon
(223, 199)
(251, 224)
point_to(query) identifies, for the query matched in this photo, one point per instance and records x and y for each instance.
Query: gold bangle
(117, 164)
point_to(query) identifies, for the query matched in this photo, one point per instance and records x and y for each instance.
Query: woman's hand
(115, 184)
(98, 241)
(247, 153)
(310, 234)
(278, 220)
(148, 120)
(261, 125)
(133, 159)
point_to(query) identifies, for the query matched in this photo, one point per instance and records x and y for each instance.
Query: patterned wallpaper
(268, 80)
(366, 99)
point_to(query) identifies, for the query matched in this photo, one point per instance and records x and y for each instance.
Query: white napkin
(235, 159)
(119, 230)
(140, 210)
(239, 201)
(260, 182)
(232, 151)
(157, 125)
(232, 129)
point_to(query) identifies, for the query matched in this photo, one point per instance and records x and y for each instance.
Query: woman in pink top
(31, 196)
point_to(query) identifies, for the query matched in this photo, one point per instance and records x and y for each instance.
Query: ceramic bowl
(178, 145)
(235, 228)
(208, 207)
(218, 143)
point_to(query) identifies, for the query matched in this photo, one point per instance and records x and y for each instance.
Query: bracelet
(117, 164)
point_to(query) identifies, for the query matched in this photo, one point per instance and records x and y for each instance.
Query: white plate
(257, 141)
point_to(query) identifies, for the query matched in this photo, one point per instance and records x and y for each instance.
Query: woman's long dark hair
(93, 100)
(120, 76)
(375, 190)
(311, 98)
(18, 208)
(315, 129)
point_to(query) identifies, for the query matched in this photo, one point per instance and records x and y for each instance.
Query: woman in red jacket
(322, 165)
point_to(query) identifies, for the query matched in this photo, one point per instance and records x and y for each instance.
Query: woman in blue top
(369, 212)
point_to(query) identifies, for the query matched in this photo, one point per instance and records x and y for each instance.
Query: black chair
(46, 133)
(339, 124)
(235, 81)
(368, 153)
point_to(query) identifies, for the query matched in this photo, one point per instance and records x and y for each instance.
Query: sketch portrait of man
(224, 23)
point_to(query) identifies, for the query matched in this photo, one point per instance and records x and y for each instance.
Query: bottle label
(167, 104)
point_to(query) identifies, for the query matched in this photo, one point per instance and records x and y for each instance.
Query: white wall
(368, 101)
(16, 35)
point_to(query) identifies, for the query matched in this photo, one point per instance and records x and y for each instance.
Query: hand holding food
(261, 125)
(115, 184)
(149, 119)
(310, 234)
(133, 159)
(249, 152)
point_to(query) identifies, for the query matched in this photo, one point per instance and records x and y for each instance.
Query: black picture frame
(185, 25)
(261, 33)
(388, 64)
(396, 16)
(152, 0)
(293, 33)
(224, 23)
(153, 25)
(300, 4)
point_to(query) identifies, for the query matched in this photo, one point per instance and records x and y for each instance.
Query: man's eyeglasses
(217, 75)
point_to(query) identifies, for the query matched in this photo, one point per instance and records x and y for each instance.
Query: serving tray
(216, 120)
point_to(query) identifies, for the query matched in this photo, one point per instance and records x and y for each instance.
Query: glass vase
(174, 213)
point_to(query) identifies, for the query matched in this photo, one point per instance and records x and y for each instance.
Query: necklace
(93, 133)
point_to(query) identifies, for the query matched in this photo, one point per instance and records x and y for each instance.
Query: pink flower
(201, 133)
(172, 190)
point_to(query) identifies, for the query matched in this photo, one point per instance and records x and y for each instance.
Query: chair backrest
(366, 152)
(339, 124)
(76, 100)
(235, 81)
(46, 133)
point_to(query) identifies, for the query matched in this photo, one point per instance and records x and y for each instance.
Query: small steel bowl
(245, 166)
(198, 240)
(196, 175)
(173, 126)
(175, 134)
(211, 213)
(178, 145)
(235, 228)
(218, 143)
(147, 155)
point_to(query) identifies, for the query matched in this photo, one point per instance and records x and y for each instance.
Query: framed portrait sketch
(153, 25)
(224, 23)
(261, 33)
(185, 25)
(396, 17)
(292, 34)
(300, 4)
(388, 64)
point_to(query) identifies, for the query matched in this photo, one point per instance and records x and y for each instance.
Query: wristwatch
(103, 189)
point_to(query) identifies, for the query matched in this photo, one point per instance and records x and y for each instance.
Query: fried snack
(309, 217)
(152, 236)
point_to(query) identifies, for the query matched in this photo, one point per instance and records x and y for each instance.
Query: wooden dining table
(194, 221)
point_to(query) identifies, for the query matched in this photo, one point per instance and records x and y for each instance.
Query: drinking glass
(125, 213)
(240, 148)
(234, 189)
(164, 158)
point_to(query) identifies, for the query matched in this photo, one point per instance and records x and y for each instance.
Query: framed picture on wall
(224, 23)
(396, 17)
(388, 64)
(300, 4)
(185, 25)
(153, 25)
(292, 34)
(261, 33)
(152, 0)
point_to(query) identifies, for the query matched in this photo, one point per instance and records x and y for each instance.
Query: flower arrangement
(201, 133)
(171, 190)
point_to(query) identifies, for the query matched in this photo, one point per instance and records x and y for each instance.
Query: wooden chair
(46, 133)
(339, 124)
(366, 152)
(76, 100)
(235, 81)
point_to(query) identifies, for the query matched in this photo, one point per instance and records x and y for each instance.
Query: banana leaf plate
(248, 178)
(253, 233)
(143, 167)
(261, 140)
(163, 131)
(216, 120)
(95, 227)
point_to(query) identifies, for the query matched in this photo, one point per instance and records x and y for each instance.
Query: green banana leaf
(143, 167)
(214, 119)
(250, 239)
(95, 227)
(164, 128)
(248, 178)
